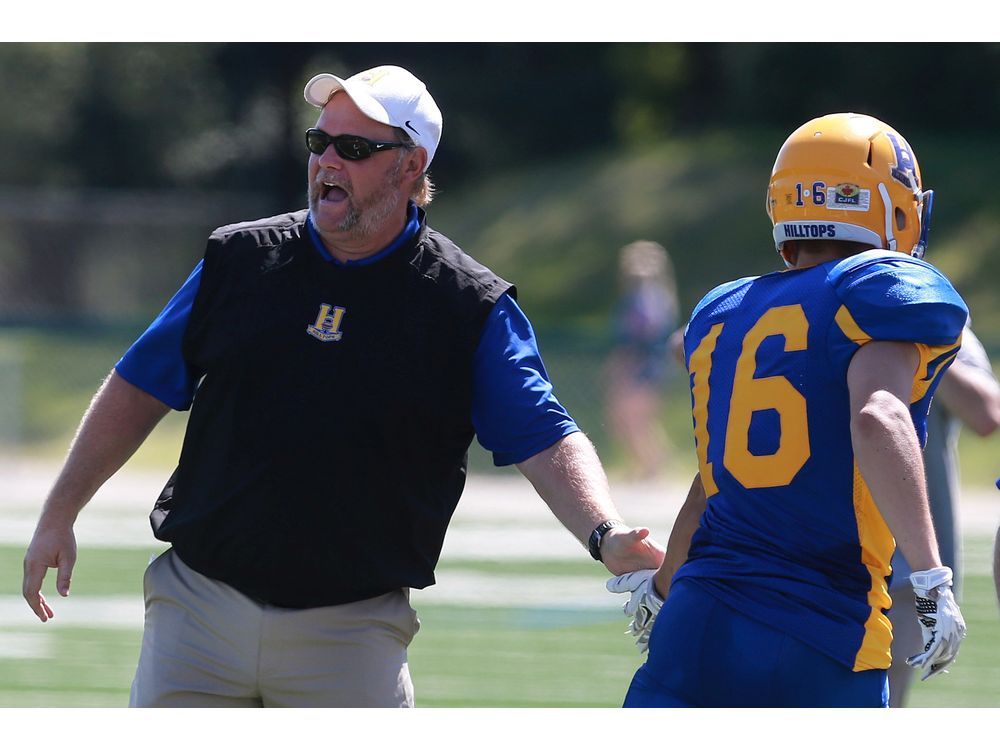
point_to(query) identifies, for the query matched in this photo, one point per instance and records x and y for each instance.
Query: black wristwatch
(594, 543)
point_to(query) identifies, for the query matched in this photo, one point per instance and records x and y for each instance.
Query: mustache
(332, 178)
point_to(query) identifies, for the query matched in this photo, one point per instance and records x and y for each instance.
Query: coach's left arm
(569, 477)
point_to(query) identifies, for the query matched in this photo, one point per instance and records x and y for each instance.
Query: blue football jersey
(791, 535)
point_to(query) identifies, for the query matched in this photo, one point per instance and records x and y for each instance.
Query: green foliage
(39, 82)
(650, 76)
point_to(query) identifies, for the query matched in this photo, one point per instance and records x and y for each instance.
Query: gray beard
(366, 219)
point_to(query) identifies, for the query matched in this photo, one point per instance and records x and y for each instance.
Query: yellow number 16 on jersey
(750, 394)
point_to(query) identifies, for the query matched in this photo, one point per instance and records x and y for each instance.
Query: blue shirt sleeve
(155, 362)
(514, 410)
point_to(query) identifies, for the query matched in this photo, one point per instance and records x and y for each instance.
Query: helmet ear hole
(900, 219)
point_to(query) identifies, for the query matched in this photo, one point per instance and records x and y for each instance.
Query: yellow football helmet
(849, 177)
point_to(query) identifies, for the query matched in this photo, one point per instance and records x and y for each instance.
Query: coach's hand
(51, 547)
(642, 606)
(942, 626)
(624, 550)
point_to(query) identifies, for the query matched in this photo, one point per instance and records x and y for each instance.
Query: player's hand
(643, 605)
(941, 624)
(624, 550)
(53, 547)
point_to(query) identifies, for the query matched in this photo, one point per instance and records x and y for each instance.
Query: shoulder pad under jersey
(895, 297)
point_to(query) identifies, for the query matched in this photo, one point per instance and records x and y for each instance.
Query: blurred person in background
(810, 389)
(338, 362)
(967, 395)
(642, 361)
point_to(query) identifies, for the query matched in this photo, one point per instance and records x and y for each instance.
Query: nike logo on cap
(412, 128)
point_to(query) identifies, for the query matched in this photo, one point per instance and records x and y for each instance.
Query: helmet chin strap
(889, 237)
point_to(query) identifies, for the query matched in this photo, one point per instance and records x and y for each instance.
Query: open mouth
(330, 192)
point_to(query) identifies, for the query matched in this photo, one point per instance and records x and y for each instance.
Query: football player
(810, 389)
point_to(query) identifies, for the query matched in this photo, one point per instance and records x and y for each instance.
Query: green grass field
(464, 656)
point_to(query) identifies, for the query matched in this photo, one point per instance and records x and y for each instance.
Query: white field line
(74, 611)
(26, 645)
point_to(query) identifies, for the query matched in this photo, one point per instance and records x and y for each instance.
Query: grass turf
(494, 656)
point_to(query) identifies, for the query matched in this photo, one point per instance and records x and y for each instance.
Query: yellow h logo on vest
(327, 325)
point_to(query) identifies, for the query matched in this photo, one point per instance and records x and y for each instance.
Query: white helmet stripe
(824, 230)
(887, 202)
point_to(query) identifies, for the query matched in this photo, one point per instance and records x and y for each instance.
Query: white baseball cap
(387, 94)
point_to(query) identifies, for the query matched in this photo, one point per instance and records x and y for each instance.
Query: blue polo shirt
(514, 410)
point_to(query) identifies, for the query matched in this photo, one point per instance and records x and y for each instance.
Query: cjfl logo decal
(327, 325)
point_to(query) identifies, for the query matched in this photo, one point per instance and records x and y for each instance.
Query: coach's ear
(414, 165)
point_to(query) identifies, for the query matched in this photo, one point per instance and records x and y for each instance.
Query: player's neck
(800, 255)
(808, 260)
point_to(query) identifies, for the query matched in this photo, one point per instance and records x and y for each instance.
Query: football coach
(338, 362)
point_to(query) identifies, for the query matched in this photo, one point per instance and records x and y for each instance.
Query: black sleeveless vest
(326, 447)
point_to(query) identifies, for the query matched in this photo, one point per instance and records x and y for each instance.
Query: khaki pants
(207, 645)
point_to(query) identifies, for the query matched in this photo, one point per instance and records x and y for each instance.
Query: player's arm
(679, 541)
(119, 419)
(972, 394)
(886, 446)
(569, 477)
(887, 451)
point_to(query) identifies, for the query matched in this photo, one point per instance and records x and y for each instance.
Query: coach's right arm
(119, 419)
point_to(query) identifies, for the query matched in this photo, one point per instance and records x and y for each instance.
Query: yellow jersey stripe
(877, 546)
(932, 360)
(700, 366)
(850, 326)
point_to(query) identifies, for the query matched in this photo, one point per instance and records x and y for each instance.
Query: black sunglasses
(351, 147)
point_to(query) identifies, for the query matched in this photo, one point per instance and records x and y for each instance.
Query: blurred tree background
(118, 159)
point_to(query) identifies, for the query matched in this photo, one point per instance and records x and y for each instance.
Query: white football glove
(941, 624)
(642, 606)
